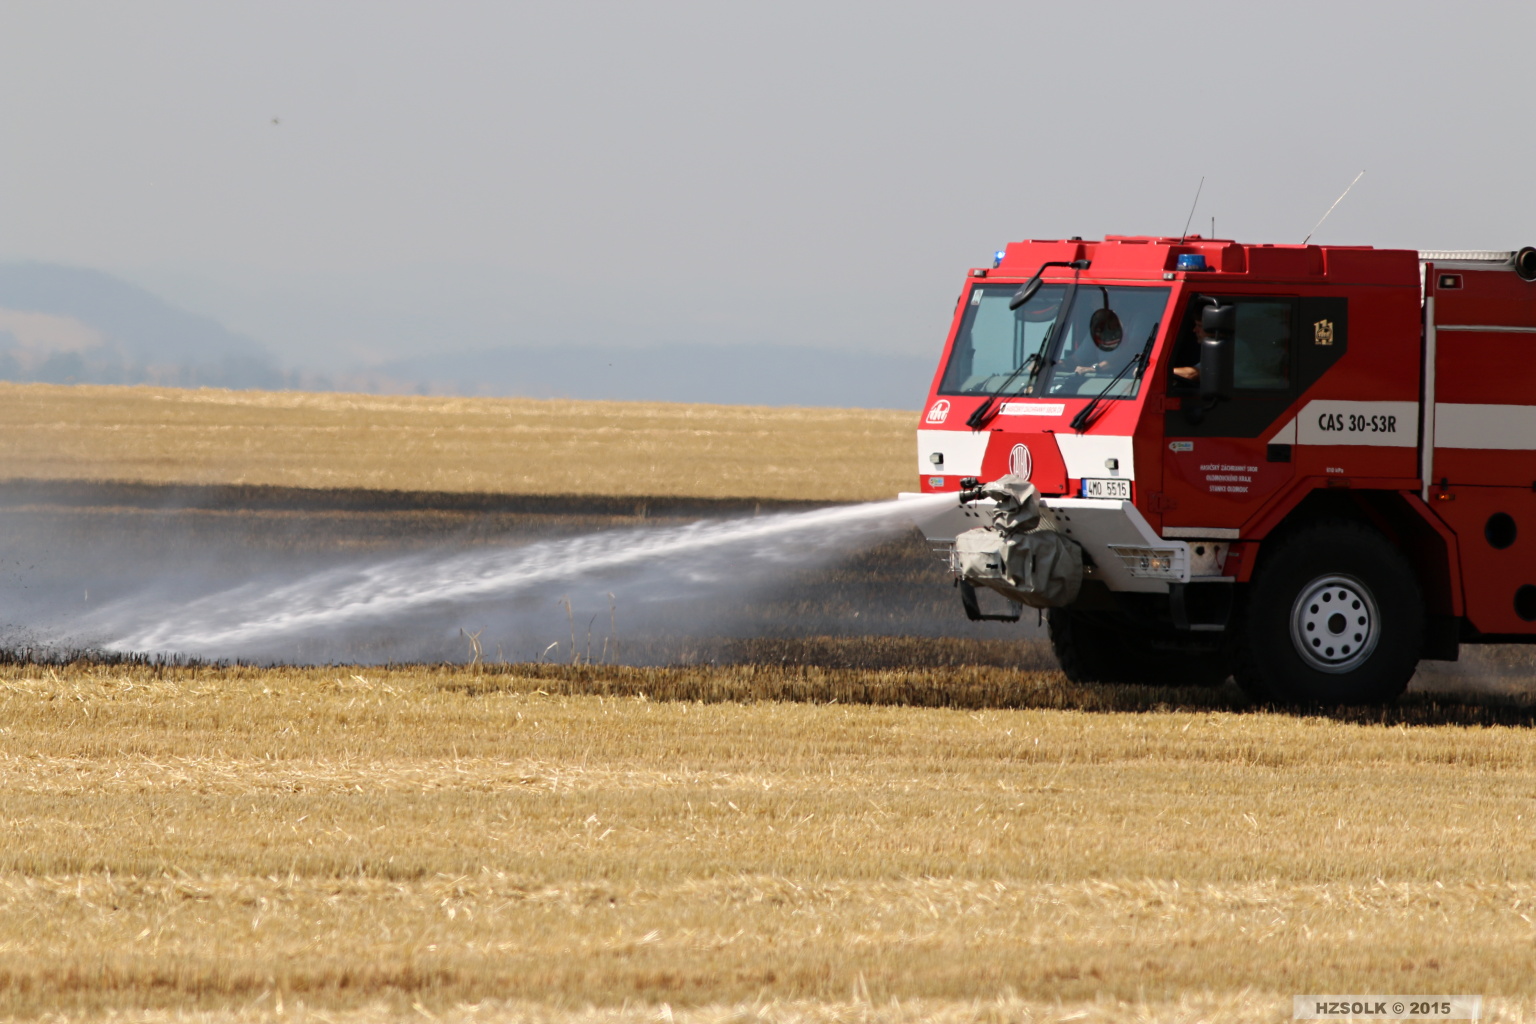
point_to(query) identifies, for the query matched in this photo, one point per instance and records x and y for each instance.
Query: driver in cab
(1187, 356)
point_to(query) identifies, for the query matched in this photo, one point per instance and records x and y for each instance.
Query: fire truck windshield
(1106, 329)
(1088, 352)
(996, 342)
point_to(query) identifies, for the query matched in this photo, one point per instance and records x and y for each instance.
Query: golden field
(571, 843)
(499, 445)
(835, 829)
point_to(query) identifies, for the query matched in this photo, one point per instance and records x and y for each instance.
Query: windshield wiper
(979, 418)
(1088, 413)
(983, 414)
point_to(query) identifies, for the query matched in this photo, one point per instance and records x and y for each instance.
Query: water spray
(268, 618)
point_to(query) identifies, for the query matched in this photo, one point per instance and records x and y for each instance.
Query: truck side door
(1219, 468)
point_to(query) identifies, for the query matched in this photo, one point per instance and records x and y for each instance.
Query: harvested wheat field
(498, 445)
(746, 843)
(858, 806)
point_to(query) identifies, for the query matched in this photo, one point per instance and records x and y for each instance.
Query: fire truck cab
(1304, 466)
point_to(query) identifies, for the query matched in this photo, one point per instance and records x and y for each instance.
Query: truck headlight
(1149, 562)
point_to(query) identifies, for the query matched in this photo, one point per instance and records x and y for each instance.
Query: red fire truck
(1304, 466)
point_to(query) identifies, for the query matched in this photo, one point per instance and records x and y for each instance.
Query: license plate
(1102, 488)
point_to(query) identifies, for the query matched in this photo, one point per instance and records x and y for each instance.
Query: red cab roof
(1146, 256)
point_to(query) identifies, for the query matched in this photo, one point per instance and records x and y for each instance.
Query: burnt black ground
(67, 548)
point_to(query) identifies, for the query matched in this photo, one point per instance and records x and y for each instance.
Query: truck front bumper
(1121, 548)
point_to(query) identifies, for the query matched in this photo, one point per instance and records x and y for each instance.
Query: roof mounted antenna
(1336, 202)
(1191, 217)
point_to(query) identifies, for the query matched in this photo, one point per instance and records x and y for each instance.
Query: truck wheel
(1106, 649)
(1085, 648)
(1335, 616)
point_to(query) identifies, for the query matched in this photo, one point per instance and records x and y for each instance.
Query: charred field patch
(71, 547)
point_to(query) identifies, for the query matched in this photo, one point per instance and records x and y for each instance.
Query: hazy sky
(467, 175)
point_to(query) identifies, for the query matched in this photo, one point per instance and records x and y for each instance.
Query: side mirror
(1025, 293)
(1105, 329)
(1216, 367)
(1218, 319)
(1525, 263)
(1031, 286)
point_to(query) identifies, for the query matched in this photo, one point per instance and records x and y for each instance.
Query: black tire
(1084, 648)
(1335, 616)
(1103, 648)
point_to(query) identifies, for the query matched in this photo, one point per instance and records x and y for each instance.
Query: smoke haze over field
(357, 186)
(313, 587)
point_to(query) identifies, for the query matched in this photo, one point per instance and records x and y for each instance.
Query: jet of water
(266, 617)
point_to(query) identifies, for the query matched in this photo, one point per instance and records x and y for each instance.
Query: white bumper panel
(1125, 552)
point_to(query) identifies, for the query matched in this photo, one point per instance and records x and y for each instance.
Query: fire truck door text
(1382, 424)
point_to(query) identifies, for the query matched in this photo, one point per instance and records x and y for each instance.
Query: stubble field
(814, 828)
(454, 445)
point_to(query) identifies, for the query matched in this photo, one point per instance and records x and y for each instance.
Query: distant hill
(68, 325)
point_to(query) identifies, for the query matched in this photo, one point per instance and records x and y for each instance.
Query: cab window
(1262, 345)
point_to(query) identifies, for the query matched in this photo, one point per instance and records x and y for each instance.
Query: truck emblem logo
(1322, 332)
(940, 412)
(1019, 462)
(1181, 446)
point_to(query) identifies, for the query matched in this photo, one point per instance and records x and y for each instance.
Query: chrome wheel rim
(1335, 624)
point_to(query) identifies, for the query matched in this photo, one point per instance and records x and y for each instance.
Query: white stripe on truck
(1087, 455)
(1499, 427)
(963, 451)
(1373, 424)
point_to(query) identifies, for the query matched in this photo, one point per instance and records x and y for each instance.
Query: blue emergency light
(1192, 261)
(997, 257)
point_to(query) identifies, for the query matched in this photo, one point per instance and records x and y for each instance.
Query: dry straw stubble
(892, 838)
(501, 445)
(191, 838)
